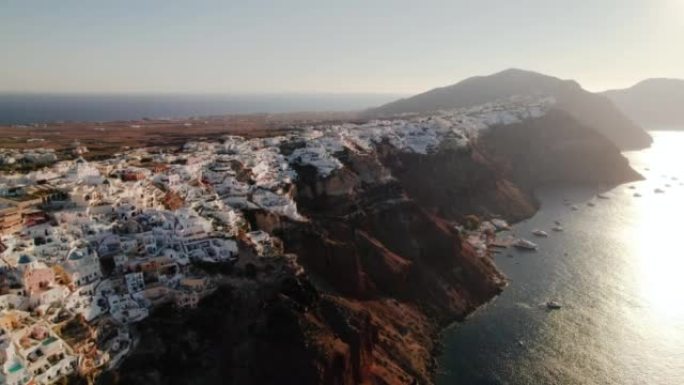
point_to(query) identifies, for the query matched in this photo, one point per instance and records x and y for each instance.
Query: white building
(135, 282)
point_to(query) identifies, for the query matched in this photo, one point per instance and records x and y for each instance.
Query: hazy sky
(332, 46)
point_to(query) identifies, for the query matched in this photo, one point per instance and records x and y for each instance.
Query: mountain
(590, 109)
(653, 103)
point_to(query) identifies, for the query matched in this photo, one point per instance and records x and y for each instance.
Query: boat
(540, 233)
(591, 204)
(553, 305)
(602, 196)
(574, 208)
(659, 191)
(632, 187)
(500, 224)
(637, 195)
(557, 223)
(557, 228)
(524, 244)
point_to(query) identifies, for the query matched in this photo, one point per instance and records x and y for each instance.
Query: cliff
(384, 267)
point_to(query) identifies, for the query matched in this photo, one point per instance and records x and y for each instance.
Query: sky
(345, 46)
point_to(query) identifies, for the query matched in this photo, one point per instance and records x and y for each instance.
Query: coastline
(439, 341)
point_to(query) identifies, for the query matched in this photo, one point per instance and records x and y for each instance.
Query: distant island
(653, 103)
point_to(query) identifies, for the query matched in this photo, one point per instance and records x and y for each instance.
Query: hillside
(590, 109)
(381, 265)
(653, 103)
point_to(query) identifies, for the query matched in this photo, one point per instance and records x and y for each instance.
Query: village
(89, 248)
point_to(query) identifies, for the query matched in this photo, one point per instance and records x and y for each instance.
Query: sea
(617, 270)
(25, 108)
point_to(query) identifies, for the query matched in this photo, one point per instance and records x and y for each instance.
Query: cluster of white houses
(9, 157)
(89, 248)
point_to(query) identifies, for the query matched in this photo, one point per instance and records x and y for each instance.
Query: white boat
(553, 305)
(557, 228)
(574, 208)
(524, 244)
(659, 191)
(602, 196)
(591, 204)
(540, 233)
(500, 224)
(637, 195)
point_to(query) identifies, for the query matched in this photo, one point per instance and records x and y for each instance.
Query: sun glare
(657, 264)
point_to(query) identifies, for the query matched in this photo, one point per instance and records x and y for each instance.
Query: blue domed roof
(24, 259)
(75, 256)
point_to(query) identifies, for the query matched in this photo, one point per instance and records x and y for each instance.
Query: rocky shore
(379, 268)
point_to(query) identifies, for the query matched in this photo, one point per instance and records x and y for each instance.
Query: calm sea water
(38, 108)
(618, 271)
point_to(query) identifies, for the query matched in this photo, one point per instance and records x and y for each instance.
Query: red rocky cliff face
(554, 149)
(389, 249)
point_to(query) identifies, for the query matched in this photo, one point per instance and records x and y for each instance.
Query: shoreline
(438, 341)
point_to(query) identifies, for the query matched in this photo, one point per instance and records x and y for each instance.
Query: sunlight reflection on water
(621, 285)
